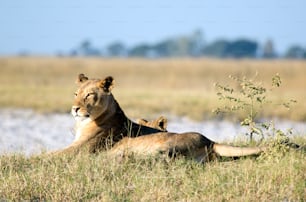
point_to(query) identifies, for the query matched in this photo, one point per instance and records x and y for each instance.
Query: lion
(101, 124)
(100, 121)
(128, 145)
(190, 144)
(159, 123)
(186, 144)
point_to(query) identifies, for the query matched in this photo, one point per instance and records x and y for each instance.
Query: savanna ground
(147, 88)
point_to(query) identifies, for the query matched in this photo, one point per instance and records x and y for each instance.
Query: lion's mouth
(79, 116)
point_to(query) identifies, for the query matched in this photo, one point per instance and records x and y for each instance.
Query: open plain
(36, 96)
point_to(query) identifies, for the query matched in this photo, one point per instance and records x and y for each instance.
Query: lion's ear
(162, 122)
(106, 84)
(81, 78)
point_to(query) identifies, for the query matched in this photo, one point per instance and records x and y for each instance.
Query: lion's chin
(82, 119)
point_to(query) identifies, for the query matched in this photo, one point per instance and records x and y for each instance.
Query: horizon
(47, 28)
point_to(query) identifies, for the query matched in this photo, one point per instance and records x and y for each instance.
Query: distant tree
(196, 43)
(116, 49)
(86, 49)
(85, 45)
(268, 49)
(241, 48)
(182, 47)
(216, 49)
(142, 50)
(176, 47)
(24, 53)
(73, 53)
(189, 45)
(179, 46)
(237, 49)
(296, 52)
(164, 48)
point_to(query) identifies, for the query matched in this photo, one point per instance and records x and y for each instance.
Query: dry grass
(146, 87)
(274, 176)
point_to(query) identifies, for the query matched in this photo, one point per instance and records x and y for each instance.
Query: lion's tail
(231, 151)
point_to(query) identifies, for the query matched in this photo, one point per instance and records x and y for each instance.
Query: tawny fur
(190, 144)
(159, 123)
(101, 123)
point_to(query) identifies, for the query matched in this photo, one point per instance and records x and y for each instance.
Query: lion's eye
(88, 95)
(75, 94)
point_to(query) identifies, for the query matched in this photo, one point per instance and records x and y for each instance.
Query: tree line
(192, 45)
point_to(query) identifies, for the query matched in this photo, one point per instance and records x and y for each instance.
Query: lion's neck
(112, 120)
(113, 117)
(119, 125)
(84, 128)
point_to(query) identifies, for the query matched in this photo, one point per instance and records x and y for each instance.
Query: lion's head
(159, 123)
(92, 98)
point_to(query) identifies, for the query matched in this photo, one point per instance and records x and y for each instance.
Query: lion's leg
(73, 148)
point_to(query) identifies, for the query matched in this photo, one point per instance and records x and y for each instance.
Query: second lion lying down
(100, 122)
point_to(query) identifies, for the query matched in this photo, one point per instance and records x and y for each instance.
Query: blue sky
(45, 27)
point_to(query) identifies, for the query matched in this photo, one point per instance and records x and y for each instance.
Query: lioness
(132, 145)
(100, 121)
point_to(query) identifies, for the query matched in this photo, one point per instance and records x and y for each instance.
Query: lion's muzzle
(78, 113)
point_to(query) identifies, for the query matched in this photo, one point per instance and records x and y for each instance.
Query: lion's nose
(75, 109)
